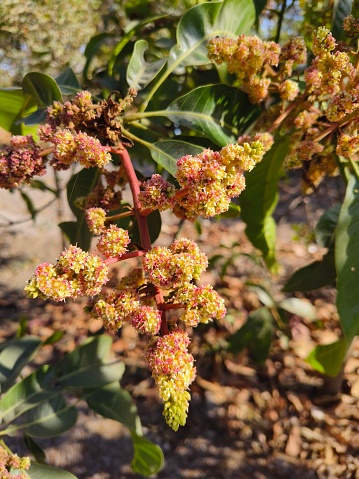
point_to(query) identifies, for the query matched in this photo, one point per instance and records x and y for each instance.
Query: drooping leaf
(313, 276)
(328, 358)
(14, 106)
(139, 72)
(88, 366)
(115, 403)
(29, 204)
(256, 335)
(341, 9)
(148, 457)
(43, 471)
(35, 449)
(218, 112)
(325, 228)
(205, 21)
(68, 82)
(347, 260)
(42, 88)
(49, 418)
(260, 198)
(167, 152)
(14, 356)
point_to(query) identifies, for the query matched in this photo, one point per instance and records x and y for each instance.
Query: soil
(278, 420)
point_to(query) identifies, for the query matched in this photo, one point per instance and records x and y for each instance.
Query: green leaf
(15, 354)
(299, 307)
(139, 72)
(148, 457)
(35, 449)
(40, 185)
(205, 21)
(259, 6)
(49, 418)
(87, 366)
(259, 199)
(78, 187)
(43, 471)
(325, 228)
(167, 152)
(328, 358)
(218, 112)
(14, 106)
(115, 403)
(256, 335)
(42, 88)
(347, 260)
(68, 82)
(91, 50)
(154, 222)
(54, 337)
(29, 204)
(341, 9)
(313, 276)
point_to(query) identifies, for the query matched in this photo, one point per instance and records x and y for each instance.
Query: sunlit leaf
(42, 88)
(299, 307)
(148, 457)
(16, 105)
(328, 358)
(139, 72)
(167, 152)
(43, 471)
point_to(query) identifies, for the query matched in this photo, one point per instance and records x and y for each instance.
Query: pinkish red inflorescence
(9, 460)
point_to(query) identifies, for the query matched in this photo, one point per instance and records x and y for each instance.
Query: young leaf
(139, 72)
(260, 198)
(167, 152)
(43, 471)
(347, 260)
(218, 112)
(328, 358)
(148, 457)
(14, 356)
(205, 21)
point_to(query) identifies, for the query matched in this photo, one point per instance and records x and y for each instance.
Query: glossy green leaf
(167, 152)
(341, 9)
(42, 88)
(49, 418)
(77, 233)
(260, 198)
(256, 335)
(88, 365)
(14, 106)
(299, 307)
(14, 356)
(148, 457)
(140, 72)
(68, 82)
(218, 112)
(313, 276)
(26, 394)
(205, 21)
(328, 358)
(347, 260)
(43, 471)
(325, 228)
(115, 403)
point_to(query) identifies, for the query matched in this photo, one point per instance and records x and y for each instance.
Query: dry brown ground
(245, 421)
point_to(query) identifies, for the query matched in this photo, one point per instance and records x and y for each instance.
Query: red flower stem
(124, 214)
(132, 254)
(142, 226)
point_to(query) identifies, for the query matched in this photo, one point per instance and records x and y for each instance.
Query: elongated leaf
(77, 233)
(14, 106)
(328, 358)
(50, 418)
(299, 307)
(148, 457)
(139, 72)
(14, 356)
(35, 449)
(115, 403)
(342, 8)
(347, 260)
(218, 112)
(325, 228)
(167, 152)
(205, 21)
(43, 471)
(87, 366)
(256, 335)
(42, 88)
(68, 82)
(260, 198)
(29, 204)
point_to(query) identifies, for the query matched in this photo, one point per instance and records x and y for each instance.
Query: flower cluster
(113, 242)
(76, 273)
(9, 460)
(208, 180)
(20, 161)
(173, 370)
